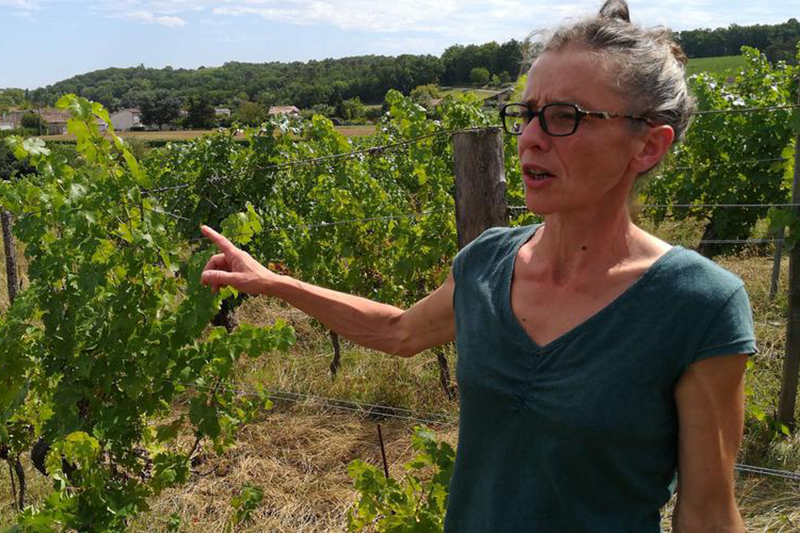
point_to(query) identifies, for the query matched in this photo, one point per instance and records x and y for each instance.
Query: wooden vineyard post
(480, 183)
(480, 196)
(791, 361)
(12, 278)
(12, 272)
(776, 263)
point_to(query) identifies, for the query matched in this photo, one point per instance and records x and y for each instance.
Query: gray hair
(649, 63)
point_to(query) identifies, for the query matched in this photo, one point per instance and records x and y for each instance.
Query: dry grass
(298, 452)
(299, 456)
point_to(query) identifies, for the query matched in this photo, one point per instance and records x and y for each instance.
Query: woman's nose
(533, 136)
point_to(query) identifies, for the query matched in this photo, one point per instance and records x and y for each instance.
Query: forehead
(574, 76)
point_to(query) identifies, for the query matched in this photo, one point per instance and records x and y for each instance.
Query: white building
(289, 110)
(126, 119)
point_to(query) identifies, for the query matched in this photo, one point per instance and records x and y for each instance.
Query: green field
(480, 93)
(716, 65)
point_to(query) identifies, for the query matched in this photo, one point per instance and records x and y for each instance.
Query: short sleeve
(731, 331)
(461, 260)
(458, 262)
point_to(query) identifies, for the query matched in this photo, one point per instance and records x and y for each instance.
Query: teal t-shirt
(580, 434)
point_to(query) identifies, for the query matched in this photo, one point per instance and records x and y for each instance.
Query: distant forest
(777, 41)
(368, 78)
(327, 82)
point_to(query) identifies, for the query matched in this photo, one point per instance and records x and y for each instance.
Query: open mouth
(538, 176)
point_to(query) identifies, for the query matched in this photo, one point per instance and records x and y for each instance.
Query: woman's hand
(235, 268)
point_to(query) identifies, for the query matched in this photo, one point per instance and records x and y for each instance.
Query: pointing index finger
(224, 245)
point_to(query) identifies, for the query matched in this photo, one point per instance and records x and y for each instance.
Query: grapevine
(111, 330)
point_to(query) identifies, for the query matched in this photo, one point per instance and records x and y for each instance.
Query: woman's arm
(710, 400)
(430, 322)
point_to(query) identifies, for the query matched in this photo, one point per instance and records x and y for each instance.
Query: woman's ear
(655, 143)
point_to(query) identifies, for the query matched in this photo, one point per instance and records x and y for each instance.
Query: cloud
(163, 20)
(171, 14)
(25, 5)
(454, 20)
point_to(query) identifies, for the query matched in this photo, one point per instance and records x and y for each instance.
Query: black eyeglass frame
(579, 114)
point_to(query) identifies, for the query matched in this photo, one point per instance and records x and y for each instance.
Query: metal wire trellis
(733, 163)
(341, 222)
(410, 415)
(333, 157)
(333, 403)
(433, 418)
(749, 109)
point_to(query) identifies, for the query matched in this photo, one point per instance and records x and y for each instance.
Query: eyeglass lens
(556, 119)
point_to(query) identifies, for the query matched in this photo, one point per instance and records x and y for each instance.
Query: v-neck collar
(526, 339)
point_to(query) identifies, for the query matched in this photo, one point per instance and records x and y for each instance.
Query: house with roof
(289, 110)
(53, 120)
(12, 119)
(127, 119)
(501, 96)
(5, 124)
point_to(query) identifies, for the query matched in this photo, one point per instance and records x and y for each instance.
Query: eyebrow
(567, 99)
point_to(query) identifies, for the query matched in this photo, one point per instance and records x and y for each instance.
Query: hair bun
(616, 10)
(678, 53)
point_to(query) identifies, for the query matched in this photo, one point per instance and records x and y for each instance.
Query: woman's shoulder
(491, 246)
(687, 272)
(504, 235)
(498, 240)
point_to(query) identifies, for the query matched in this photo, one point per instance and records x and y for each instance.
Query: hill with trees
(777, 41)
(327, 82)
(330, 83)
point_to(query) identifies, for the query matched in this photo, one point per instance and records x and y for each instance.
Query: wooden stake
(776, 264)
(791, 361)
(12, 272)
(383, 453)
(480, 183)
(480, 197)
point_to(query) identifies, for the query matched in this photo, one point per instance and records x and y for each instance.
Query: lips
(536, 173)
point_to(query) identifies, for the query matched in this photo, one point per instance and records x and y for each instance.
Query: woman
(591, 360)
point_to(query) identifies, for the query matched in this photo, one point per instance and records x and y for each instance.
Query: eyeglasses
(558, 119)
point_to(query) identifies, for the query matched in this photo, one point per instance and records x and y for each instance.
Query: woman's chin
(539, 206)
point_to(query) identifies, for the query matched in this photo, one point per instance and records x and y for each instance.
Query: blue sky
(44, 41)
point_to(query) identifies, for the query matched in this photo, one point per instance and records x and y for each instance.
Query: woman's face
(591, 167)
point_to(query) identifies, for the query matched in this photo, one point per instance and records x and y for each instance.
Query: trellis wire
(333, 403)
(378, 149)
(748, 109)
(394, 412)
(713, 206)
(346, 155)
(341, 222)
(731, 163)
(688, 206)
(401, 413)
(794, 476)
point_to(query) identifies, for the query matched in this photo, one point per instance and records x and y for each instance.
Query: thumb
(217, 278)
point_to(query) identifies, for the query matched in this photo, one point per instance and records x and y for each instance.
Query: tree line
(777, 41)
(329, 83)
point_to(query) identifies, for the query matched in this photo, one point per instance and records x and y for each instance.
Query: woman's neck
(577, 246)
